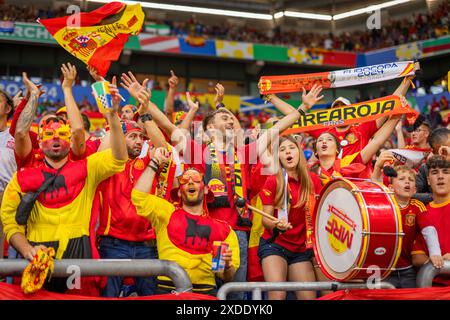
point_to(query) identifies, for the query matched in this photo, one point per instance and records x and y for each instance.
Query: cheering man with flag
(91, 39)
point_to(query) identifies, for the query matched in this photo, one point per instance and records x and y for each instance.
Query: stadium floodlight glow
(173, 7)
(305, 15)
(278, 15)
(368, 9)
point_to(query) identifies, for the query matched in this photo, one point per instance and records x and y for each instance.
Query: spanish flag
(97, 37)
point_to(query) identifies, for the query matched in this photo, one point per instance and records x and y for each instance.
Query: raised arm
(130, 83)
(401, 90)
(308, 101)
(23, 144)
(117, 138)
(378, 168)
(151, 129)
(145, 181)
(73, 113)
(380, 137)
(170, 98)
(401, 143)
(284, 107)
(190, 116)
(218, 102)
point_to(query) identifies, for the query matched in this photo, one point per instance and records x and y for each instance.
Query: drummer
(413, 222)
(283, 249)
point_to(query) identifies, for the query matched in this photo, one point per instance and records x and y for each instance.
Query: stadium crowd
(393, 32)
(161, 186)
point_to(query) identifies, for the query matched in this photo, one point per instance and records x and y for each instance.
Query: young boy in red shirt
(414, 223)
(438, 213)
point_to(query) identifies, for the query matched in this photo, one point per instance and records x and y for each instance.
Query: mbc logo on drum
(340, 229)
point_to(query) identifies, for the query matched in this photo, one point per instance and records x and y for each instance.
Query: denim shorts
(266, 249)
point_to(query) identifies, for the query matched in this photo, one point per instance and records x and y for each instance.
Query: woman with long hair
(327, 149)
(284, 248)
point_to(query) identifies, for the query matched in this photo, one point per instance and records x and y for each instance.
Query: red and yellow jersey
(185, 238)
(439, 217)
(411, 215)
(352, 140)
(118, 216)
(63, 211)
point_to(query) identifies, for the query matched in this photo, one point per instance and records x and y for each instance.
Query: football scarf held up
(218, 174)
(355, 113)
(336, 79)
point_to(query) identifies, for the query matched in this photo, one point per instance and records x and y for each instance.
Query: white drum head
(338, 230)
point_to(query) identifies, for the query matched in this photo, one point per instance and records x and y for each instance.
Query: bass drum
(357, 229)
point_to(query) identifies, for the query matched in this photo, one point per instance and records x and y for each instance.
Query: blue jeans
(405, 278)
(112, 248)
(12, 254)
(241, 272)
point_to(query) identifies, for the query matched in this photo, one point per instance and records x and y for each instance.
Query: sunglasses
(197, 177)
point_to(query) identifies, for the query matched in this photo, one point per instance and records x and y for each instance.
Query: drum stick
(264, 214)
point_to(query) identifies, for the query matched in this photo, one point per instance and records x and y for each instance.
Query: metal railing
(257, 287)
(108, 267)
(427, 273)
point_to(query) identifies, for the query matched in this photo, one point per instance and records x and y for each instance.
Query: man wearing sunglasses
(60, 216)
(186, 231)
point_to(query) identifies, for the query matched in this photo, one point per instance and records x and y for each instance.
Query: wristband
(153, 168)
(146, 117)
(301, 111)
(220, 105)
(155, 162)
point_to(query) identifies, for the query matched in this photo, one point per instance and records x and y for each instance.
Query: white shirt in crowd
(7, 161)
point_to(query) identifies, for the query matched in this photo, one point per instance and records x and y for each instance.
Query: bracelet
(146, 117)
(155, 162)
(220, 105)
(153, 168)
(303, 113)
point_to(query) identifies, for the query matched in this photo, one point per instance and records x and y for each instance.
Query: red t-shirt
(438, 215)
(118, 216)
(412, 216)
(295, 238)
(357, 137)
(196, 155)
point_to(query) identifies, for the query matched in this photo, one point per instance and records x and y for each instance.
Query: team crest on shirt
(351, 138)
(10, 144)
(267, 193)
(139, 164)
(410, 219)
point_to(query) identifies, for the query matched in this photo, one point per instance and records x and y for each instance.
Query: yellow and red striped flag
(97, 37)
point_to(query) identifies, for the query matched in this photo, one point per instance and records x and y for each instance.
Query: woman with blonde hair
(285, 249)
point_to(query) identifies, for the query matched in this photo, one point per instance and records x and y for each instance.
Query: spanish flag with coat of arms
(97, 37)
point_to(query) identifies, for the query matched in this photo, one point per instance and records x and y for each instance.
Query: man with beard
(186, 233)
(61, 214)
(124, 234)
(26, 155)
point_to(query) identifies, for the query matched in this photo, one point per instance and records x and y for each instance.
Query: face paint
(54, 130)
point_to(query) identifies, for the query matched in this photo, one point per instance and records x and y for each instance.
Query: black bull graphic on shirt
(194, 230)
(58, 183)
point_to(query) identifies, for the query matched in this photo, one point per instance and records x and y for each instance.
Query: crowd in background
(393, 32)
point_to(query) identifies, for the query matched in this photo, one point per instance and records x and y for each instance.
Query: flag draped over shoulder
(97, 37)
